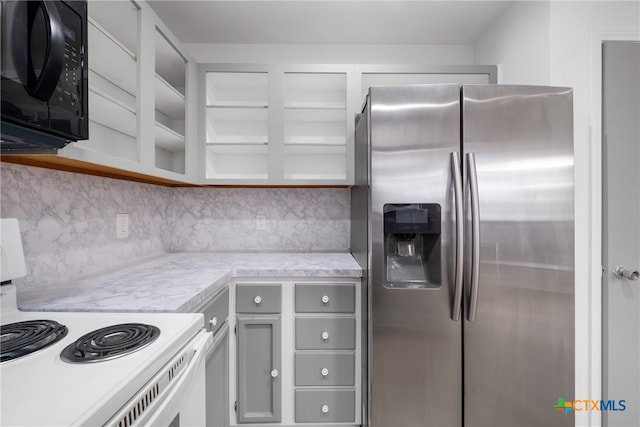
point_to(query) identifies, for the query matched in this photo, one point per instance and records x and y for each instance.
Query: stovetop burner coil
(110, 342)
(23, 338)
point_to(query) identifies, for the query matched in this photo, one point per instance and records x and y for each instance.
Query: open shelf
(237, 89)
(112, 113)
(170, 160)
(170, 64)
(119, 19)
(111, 59)
(315, 90)
(100, 85)
(237, 162)
(314, 163)
(170, 105)
(169, 100)
(168, 139)
(110, 142)
(237, 125)
(315, 126)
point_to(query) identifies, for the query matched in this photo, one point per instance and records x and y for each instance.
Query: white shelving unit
(170, 105)
(113, 89)
(315, 126)
(275, 125)
(236, 126)
(139, 104)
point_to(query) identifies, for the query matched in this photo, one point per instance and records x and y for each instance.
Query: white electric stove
(159, 382)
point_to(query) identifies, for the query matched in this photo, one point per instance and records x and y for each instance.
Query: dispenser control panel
(419, 218)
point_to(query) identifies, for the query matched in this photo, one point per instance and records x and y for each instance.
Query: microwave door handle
(42, 86)
(21, 23)
(46, 83)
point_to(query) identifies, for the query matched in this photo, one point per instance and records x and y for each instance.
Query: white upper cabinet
(315, 127)
(170, 105)
(139, 85)
(113, 47)
(236, 126)
(275, 125)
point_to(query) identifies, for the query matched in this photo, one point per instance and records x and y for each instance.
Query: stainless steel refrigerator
(462, 219)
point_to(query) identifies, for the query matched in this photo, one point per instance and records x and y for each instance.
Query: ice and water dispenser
(412, 245)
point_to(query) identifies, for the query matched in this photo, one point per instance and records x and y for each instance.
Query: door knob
(622, 273)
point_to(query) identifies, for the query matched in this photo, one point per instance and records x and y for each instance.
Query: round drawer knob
(325, 335)
(324, 372)
(325, 409)
(213, 322)
(325, 299)
(274, 373)
(257, 299)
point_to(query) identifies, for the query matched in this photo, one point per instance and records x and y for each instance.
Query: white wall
(518, 41)
(556, 43)
(331, 54)
(575, 31)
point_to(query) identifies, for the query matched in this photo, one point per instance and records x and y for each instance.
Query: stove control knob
(213, 322)
(325, 409)
(274, 373)
(324, 372)
(325, 299)
(325, 335)
(257, 299)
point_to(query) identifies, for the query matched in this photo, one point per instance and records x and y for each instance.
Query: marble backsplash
(67, 220)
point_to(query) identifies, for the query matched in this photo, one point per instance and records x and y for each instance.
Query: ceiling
(328, 21)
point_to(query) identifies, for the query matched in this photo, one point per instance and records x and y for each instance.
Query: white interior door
(621, 231)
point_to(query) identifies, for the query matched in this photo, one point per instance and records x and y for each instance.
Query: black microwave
(44, 75)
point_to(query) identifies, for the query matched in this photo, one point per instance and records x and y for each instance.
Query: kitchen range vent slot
(130, 415)
(175, 368)
(140, 407)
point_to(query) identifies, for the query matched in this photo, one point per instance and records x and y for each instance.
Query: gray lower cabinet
(216, 311)
(217, 381)
(325, 357)
(259, 385)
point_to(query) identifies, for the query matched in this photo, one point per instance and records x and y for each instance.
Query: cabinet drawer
(216, 312)
(325, 406)
(331, 333)
(258, 298)
(330, 369)
(325, 298)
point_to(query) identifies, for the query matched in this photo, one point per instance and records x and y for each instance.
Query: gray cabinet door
(217, 382)
(259, 382)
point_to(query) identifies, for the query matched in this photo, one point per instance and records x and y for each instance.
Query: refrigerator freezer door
(415, 352)
(519, 351)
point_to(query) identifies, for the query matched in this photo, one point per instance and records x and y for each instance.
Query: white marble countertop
(180, 282)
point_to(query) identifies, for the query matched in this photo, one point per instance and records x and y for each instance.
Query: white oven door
(180, 400)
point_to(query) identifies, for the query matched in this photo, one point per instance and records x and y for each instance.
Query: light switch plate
(261, 222)
(122, 225)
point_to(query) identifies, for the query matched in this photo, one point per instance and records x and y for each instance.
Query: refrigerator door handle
(475, 235)
(457, 186)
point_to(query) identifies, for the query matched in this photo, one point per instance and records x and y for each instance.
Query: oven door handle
(43, 85)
